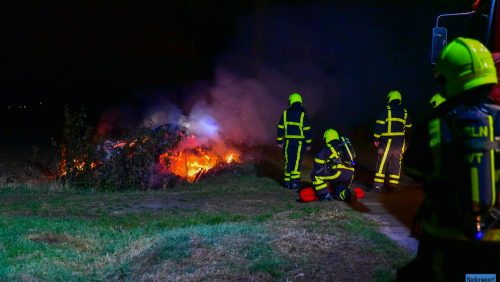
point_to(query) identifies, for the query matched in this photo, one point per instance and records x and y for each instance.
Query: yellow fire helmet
(394, 95)
(330, 134)
(295, 97)
(436, 100)
(464, 64)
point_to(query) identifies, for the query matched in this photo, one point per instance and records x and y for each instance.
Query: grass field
(226, 228)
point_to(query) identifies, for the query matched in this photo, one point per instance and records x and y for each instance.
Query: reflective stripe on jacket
(294, 124)
(393, 122)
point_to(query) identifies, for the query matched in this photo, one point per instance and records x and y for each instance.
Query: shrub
(104, 164)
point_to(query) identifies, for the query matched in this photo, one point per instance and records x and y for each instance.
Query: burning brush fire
(189, 159)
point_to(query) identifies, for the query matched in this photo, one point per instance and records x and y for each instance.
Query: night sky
(129, 56)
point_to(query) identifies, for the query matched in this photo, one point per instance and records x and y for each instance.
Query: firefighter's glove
(308, 148)
(280, 145)
(376, 143)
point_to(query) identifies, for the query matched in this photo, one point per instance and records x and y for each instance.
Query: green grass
(225, 228)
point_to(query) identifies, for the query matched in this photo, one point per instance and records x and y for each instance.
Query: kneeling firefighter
(334, 164)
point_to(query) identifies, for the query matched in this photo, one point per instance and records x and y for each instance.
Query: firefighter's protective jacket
(392, 122)
(294, 124)
(328, 160)
(444, 209)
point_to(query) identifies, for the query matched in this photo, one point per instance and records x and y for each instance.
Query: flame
(78, 164)
(191, 163)
(189, 160)
(231, 157)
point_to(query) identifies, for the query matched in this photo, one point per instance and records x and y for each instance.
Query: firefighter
(334, 164)
(389, 139)
(460, 212)
(294, 137)
(435, 130)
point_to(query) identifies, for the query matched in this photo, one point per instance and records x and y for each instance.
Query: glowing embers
(192, 163)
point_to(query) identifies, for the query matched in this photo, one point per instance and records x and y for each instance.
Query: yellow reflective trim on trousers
(380, 175)
(317, 180)
(378, 180)
(384, 158)
(286, 153)
(297, 159)
(474, 178)
(320, 161)
(393, 134)
(403, 149)
(394, 176)
(342, 195)
(295, 176)
(337, 174)
(492, 164)
(322, 186)
(394, 181)
(389, 119)
(328, 177)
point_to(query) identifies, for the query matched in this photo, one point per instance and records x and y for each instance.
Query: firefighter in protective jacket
(334, 164)
(460, 213)
(389, 139)
(294, 137)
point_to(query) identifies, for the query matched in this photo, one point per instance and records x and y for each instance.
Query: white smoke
(343, 82)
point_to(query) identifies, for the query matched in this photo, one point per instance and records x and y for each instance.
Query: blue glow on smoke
(207, 126)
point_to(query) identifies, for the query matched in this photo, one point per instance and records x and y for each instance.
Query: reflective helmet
(436, 100)
(295, 97)
(464, 64)
(394, 95)
(330, 135)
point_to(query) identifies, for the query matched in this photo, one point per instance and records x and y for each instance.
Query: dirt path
(394, 211)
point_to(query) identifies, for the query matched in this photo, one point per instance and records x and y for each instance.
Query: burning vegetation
(145, 158)
(191, 164)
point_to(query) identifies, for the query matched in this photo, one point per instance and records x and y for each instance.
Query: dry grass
(60, 239)
(252, 231)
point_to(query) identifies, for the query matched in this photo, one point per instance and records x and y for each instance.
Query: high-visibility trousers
(340, 180)
(293, 150)
(389, 156)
